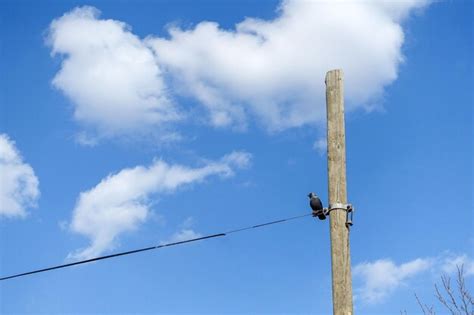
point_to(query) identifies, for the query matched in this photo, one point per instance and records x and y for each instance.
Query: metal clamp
(347, 207)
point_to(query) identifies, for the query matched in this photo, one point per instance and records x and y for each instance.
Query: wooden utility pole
(336, 144)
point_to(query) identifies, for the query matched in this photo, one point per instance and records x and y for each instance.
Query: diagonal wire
(267, 223)
(154, 247)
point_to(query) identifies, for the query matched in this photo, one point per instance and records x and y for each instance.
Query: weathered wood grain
(336, 146)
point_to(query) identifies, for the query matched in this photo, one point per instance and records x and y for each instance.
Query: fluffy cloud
(382, 277)
(320, 145)
(450, 263)
(271, 70)
(184, 233)
(120, 202)
(274, 69)
(18, 183)
(109, 74)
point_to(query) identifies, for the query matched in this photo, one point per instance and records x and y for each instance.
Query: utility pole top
(333, 76)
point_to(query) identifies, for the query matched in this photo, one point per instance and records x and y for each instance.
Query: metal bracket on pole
(347, 207)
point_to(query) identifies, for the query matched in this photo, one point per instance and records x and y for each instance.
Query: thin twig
(467, 306)
(427, 310)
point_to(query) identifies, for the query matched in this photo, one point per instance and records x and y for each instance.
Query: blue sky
(125, 125)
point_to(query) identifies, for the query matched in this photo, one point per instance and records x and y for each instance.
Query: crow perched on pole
(317, 206)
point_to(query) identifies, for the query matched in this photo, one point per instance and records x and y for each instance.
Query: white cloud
(381, 277)
(239, 159)
(18, 183)
(274, 69)
(120, 202)
(320, 145)
(109, 74)
(271, 70)
(184, 233)
(88, 141)
(450, 263)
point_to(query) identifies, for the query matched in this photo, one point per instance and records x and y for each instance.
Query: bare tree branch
(457, 305)
(467, 306)
(447, 287)
(427, 310)
(440, 297)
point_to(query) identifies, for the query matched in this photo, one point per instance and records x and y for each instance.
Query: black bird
(317, 206)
